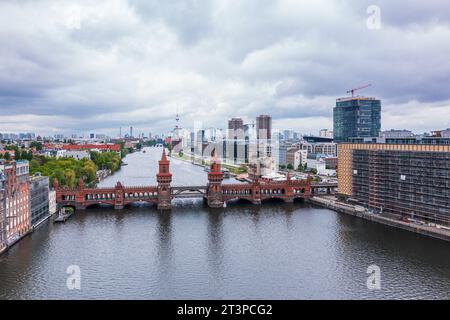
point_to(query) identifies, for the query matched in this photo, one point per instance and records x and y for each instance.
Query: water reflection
(272, 251)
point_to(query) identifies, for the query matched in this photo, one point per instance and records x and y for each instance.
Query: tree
(70, 176)
(300, 168)
(37, 145)
(180, 154)
(282, 167)
(290, 166)
(313, 171)
(7, 156)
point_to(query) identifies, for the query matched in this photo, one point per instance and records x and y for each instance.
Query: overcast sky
(93, 66)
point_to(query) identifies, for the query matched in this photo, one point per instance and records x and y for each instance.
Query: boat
(226, 173)
(63, 215)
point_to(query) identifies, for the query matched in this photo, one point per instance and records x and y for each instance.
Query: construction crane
(352, 91)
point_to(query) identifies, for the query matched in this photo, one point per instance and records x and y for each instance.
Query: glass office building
(356, 117)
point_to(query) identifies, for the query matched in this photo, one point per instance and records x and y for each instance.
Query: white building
(52, 202)
(77, 154)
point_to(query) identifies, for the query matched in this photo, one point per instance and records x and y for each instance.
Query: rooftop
(343, 99)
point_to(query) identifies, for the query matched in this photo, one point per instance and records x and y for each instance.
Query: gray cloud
(77, 66)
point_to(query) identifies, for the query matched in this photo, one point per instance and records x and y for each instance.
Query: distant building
(77, 154)
(397, 134)
(356, 117)
(326, 133)
(264, 127)
(17, 215)
(331, 163)
(93, 147)
(296, 157)
(235, 145)
(39, 191)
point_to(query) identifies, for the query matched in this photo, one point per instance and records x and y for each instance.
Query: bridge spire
(164, 178)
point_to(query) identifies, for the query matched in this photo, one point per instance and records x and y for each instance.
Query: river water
(244, 251)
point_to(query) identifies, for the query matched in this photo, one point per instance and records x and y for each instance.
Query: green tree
(313, 171)
(70, 176)
(290, 166)
(37, 145)
(7, 156)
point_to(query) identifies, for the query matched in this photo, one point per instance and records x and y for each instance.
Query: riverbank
(360, 212)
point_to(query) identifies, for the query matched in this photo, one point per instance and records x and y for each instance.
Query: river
(244, 251)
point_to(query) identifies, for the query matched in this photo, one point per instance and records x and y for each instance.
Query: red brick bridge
(215, 192)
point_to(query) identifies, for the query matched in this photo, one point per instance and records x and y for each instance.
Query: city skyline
(94, 68)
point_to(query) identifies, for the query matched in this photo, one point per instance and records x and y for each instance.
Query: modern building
(264, 127)
(264, 135)
(356, 117)
(39, 193)
(17, 216)
(411, 181)
(235, 144)
(296, 157)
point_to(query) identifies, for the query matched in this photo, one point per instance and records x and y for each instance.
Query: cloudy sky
(93, 66)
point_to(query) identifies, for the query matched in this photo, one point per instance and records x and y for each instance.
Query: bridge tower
(215, 178)
(164, 178)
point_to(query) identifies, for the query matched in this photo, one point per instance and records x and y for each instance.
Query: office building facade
(410, 181)
(39, 195)
(356, 117)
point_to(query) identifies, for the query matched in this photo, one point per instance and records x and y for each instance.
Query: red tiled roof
(103, 147)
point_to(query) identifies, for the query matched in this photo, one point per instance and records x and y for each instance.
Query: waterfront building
(356, 117)
(52, 207)
(39, 193)
(3, 242)
(17, 199)
(410, 181)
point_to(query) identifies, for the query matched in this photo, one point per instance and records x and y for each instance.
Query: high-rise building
(235, 146)
(263, 135)
(409, 181)
(17, 214)
(264, 127)
(356, 117)
(235, 128)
